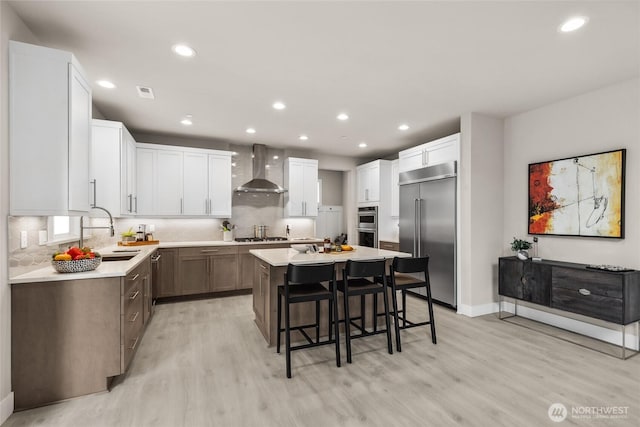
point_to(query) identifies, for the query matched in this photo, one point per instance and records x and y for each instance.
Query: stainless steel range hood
(259, 184)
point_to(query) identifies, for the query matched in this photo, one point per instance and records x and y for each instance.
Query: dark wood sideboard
(610, 296)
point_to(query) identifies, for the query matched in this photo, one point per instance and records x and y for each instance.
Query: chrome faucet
(82, 227)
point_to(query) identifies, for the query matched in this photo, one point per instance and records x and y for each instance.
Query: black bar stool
(402, 278)
(302, 283)
(359, 278)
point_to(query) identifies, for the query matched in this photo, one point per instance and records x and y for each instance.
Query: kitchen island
(270, 267)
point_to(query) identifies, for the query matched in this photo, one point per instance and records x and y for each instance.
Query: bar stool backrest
(368, 268)
(411, 265)
(310, 273)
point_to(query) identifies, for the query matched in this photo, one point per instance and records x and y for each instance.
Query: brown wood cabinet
(166, 284)
(69, 337)
(261, 282)
(207, 269)
(390, 246)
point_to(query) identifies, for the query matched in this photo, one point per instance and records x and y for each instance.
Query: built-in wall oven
(368, 226)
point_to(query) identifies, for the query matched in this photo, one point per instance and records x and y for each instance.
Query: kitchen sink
(106, 258)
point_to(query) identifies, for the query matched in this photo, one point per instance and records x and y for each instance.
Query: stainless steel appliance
(368, 226)
(155, 277)
(428, 224)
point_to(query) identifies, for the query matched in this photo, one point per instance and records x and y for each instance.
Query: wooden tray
(145, 242)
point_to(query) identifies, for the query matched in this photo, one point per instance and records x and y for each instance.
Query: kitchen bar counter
(122, 268)
(270, 267)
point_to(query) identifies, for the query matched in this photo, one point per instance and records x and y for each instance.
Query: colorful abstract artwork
(578, 196)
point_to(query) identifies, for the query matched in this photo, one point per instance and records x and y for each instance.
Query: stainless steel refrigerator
(428, 224)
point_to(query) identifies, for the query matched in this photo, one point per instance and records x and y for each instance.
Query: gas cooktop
(260, 239)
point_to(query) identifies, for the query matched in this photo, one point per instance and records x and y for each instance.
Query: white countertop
(122, 268)
(284, 256)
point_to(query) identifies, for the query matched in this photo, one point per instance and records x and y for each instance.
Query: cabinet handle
(204, 251)
(181, 205)
(130, 197)
(134, 295)
(584, 291)
(523, 280)
(135, 198)
(426, 157)
(135, 343)
(263, 267)
(134, 317)
(366, 194)
(95, 199)
(134, 277)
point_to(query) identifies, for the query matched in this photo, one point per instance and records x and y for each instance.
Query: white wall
(602, 120)
(481, 217)
(11, 28)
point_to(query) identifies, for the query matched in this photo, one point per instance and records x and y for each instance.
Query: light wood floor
(204, 363)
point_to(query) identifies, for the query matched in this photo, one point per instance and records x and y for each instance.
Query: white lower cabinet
(177, 181)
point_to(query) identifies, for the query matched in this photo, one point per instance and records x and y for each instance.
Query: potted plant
(520, 247)
(227, 233)
(129, 235)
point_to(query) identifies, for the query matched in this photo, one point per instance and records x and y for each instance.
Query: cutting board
(145, 242)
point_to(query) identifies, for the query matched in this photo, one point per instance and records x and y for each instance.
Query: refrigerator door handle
(416, 234)
(419, 221)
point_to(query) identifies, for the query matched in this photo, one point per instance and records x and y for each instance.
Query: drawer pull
(134, 317)
(584, 291)
(263, 267)
(523, 280)
(134, 295)
(135, 343)
(135, 277)
(209, 250)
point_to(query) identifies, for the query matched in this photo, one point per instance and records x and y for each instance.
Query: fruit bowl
(300, 248)
(76, 266)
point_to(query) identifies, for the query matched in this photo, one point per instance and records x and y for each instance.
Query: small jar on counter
(327, 245)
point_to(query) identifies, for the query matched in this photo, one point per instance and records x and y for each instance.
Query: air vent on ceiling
(145, 92)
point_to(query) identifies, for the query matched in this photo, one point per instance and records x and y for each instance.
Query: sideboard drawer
(588, 304)
(596, 282)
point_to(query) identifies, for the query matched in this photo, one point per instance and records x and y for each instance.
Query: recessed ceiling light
(106, 84)
(403, 126)
(275, 157)
(343, 116)
(279, 105)
(303, 138)
(573, 24)
(251, 130)
(187, 120)
(362, 145)
(183, 50)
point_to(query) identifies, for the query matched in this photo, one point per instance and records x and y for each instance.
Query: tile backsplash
(248, 210)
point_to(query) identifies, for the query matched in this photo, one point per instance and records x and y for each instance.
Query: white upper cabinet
(177, 181)
(373, 181)
(49, 132)
(395, 189)
(301, 176)
(442, 150)
(220, 190)
(196, 184)
(113, 165)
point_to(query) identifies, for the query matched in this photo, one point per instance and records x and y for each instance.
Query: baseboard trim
(6, 407)
(477, 310)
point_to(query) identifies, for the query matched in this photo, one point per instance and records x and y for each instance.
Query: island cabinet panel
(166, 284)
(261, 282)
(65, 339)
(527, 281)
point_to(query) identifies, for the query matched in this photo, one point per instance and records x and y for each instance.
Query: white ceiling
(384, 63)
